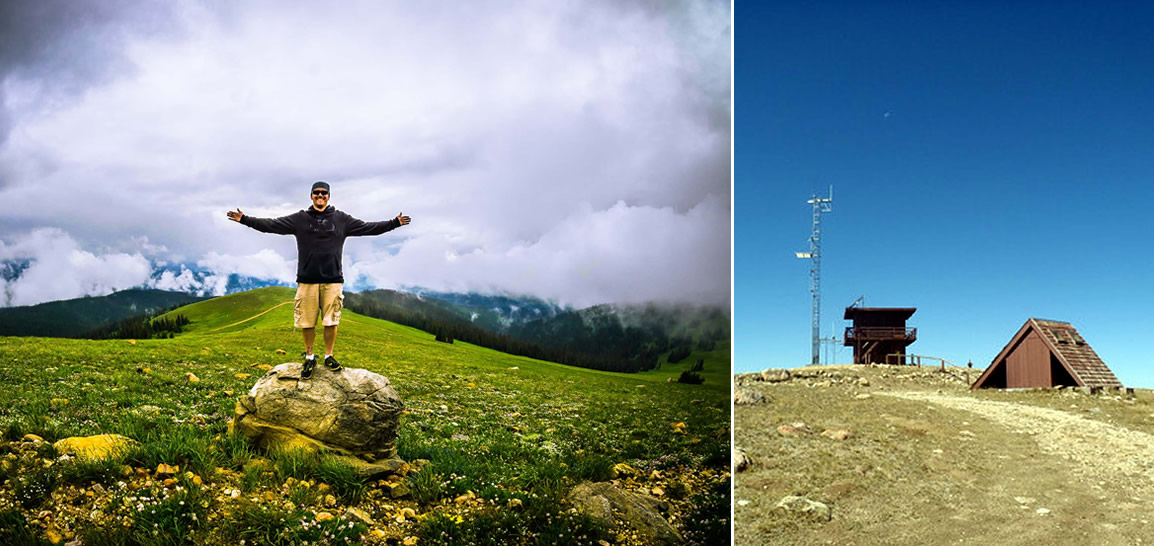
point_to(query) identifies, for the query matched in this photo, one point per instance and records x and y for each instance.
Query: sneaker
(332, 364)
(310, 363)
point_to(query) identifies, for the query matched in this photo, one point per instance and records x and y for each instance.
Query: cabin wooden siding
(1028, 364)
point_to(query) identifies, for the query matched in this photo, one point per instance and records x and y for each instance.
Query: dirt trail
(274, 308)
(250, 318)
(1098, 450)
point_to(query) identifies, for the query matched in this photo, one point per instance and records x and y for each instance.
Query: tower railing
(879, 333)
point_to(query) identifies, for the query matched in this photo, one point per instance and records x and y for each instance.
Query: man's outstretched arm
(280, 226)
(358, 227)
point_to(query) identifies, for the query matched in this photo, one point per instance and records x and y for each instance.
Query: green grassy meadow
(505, 438)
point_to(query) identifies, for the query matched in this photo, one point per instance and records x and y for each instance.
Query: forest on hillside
(597, 338)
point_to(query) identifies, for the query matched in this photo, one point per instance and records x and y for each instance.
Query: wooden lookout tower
(878, 332)
(1047, 353)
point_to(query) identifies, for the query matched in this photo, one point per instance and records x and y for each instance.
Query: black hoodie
(320, 239)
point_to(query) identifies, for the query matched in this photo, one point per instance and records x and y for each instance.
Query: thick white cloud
(588, 258)
(265, 264)
(564, 149)
(58, 269)
(185, 281)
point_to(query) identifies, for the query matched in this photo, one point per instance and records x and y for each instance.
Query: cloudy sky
(577, 151)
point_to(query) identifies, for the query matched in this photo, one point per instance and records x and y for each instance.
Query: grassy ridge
(492, 425)
(78, 317)
(212, 316)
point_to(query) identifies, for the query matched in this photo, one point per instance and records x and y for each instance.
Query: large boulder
(352, 412)
(602, 501)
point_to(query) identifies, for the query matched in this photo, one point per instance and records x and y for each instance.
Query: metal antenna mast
(820, 205)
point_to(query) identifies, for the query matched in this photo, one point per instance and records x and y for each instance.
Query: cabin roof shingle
(1068, 344)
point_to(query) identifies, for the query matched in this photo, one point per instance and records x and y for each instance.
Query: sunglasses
(320, 192)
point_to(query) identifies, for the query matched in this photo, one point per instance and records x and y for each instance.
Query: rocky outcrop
(602, 501)
(353, 412)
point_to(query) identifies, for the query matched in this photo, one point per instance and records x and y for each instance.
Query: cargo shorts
(325, 299)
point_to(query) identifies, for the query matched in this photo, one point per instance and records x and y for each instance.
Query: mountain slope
(627, 338)
(494, 312)
(76, 317)
(928, 461)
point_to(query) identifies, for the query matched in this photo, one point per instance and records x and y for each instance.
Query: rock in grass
(745, 396)
(622, 470)
(92, 448)
(838, 434)
(397, 490)
(384, 467)
(811, 509)
(741, 461)
(356, 514)
(602, 501)
(794, 429)
(775, 376)
(353, 412)
(678, 490)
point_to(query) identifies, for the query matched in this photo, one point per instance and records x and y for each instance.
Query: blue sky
(990, 163)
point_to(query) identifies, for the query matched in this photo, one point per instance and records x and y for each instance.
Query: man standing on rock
(320, 231)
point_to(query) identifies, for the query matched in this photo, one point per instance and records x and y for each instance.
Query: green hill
(77, 317)
(619, 338)
(239, 311)
(506, 437)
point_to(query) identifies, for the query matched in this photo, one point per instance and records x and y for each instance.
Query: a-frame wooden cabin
(1046, 353)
